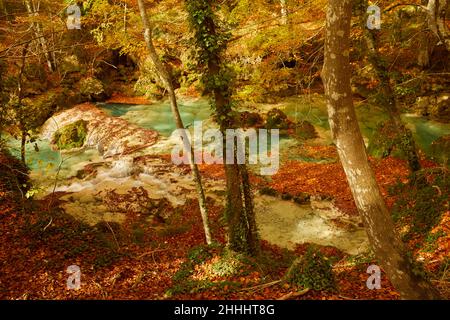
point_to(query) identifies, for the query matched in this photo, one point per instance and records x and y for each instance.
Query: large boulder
(109, 135)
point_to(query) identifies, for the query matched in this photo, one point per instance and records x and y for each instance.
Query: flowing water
(280, 222)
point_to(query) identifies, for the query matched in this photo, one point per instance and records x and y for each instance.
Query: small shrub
(313, 271)
(268, 191)
(277, 119)
(93, 89)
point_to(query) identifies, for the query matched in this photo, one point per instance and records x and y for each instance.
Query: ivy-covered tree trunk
(388, 97)
(336, 75)
(239, 213)
(167, 80)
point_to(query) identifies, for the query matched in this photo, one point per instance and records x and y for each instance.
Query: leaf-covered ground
(155, 260)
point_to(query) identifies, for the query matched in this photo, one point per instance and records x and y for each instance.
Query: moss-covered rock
(435, 107)
(71, 136)
(440, 149)
(147, 87)
(92, 89)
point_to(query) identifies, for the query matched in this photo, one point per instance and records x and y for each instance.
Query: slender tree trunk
(22, 145)
(39, 34)
(22, 126)
(166, 78)
(350, 144)
(437, 13)
(284, 12)
(389, 101)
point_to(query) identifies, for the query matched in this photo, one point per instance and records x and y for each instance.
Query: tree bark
(22, 145)
(284, 12)
(240, 216)
(242, 235)
(167, 80)
(437, 12)
(351, 148)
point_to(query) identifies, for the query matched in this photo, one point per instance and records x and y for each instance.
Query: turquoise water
(314, 110)
(426, 131)
(45, 162)
(158, 116)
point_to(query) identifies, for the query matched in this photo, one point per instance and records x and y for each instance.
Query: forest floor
(167, 260)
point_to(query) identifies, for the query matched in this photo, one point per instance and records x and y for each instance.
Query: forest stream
(281, 222)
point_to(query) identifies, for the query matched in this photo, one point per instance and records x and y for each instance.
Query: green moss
(92, 89)
(313, 271)
(71, 136)
(422, 201)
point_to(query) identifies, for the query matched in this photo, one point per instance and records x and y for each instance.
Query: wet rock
(113, 136)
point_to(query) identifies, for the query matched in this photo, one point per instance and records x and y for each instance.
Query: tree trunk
(39, 34)
(437, 12)
(389, 101)
(167, 80)
(284, 12)
(241, 223)
(22, 145)
(240, 216)
(352, 153)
